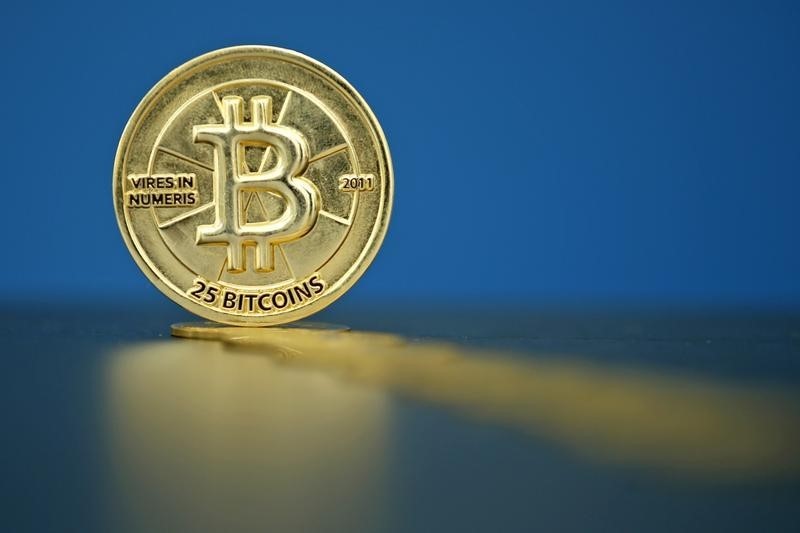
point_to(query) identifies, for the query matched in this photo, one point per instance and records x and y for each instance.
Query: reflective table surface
(386, 419)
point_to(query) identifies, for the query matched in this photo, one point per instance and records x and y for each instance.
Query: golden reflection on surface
(203, 439)
(273, 427)
(674, 424)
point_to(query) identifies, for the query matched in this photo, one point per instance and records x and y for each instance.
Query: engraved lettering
(211, 294)
(229, 300)
(302, 291)
(353, 182)
(199, 290)
(317, 284)
(279, 300)
(204, 291)
(263, 300)
(161, 190)
(257, 302)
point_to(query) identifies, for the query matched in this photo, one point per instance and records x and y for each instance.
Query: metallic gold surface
(253, 185)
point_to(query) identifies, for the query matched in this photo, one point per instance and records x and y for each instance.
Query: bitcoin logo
(232, 177)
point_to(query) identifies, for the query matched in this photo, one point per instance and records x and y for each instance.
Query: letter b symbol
(284, 179)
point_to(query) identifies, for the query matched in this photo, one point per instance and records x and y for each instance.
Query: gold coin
(253, 185)
(214, 331)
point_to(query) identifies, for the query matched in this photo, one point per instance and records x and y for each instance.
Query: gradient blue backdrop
(583, 152)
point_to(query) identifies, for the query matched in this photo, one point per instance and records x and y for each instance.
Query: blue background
(579, 153)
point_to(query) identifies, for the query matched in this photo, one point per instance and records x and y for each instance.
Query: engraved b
(232, 176)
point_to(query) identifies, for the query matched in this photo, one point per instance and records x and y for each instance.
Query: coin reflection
(674, 424)
(204, 439)
(216, 434)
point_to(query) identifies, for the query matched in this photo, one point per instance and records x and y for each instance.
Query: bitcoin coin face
(253, 185)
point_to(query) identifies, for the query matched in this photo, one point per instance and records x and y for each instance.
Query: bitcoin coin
(253, 185)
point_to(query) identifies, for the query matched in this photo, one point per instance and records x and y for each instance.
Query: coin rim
(363, 259)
